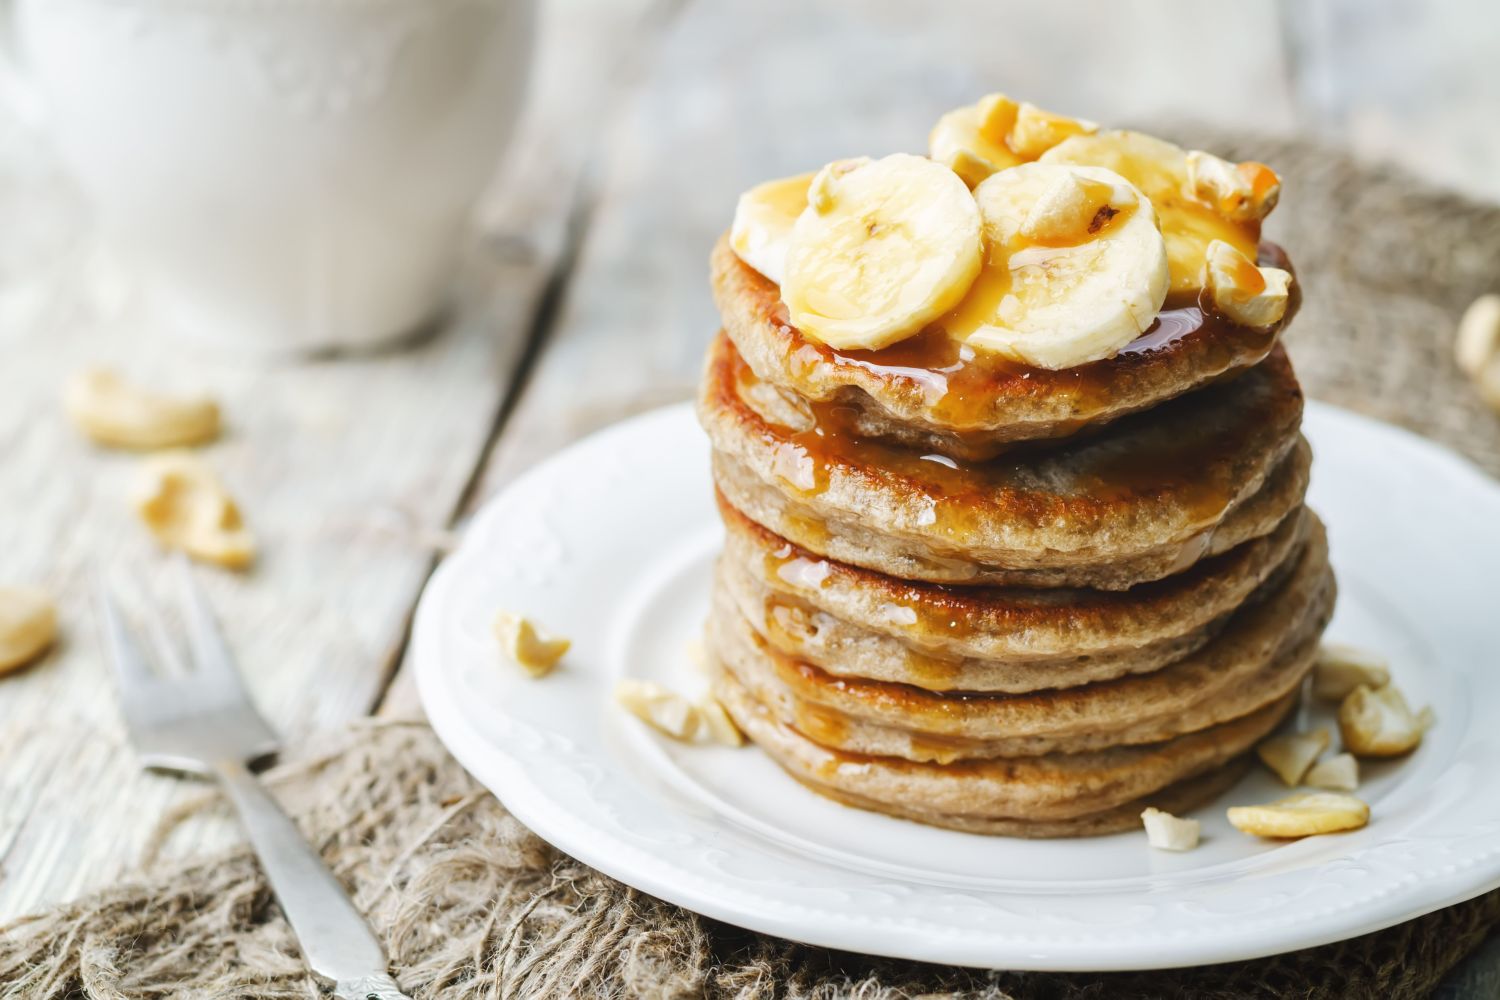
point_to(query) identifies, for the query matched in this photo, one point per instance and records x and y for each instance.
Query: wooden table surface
(585, 300)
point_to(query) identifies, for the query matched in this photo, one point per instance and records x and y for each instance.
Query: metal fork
(202, 722)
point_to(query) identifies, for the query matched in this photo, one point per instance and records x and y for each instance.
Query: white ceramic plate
(611, 542)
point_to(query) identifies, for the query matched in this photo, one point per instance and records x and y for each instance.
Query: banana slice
(971, 140)
(995, 133)
(1075, 267)
(1160, 170)
(763, 221)
(883, 248)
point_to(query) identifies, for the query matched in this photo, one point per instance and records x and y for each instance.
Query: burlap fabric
(471, 904)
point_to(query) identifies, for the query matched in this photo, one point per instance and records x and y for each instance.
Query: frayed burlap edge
(471, 904)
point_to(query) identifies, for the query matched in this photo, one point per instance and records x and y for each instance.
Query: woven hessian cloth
(471, 904)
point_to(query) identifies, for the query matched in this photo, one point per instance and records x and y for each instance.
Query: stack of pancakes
(1005, 599)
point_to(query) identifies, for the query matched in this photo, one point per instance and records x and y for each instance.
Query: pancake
(932, 393)
(1179, 799)
(1145, 498)
(855, 622)
(1048, 788)
(851, 539)
(1262, 654)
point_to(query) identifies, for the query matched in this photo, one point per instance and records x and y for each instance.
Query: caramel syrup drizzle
(1119, 467)
(962, 384)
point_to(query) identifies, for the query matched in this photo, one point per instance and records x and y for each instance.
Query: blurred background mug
(286, 176)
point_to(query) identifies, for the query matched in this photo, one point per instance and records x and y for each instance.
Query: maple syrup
(1187, 454)
(964, 388)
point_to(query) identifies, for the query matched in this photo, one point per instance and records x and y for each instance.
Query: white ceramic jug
(289, 176)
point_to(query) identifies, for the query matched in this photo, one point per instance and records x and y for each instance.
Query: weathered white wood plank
(340, 466)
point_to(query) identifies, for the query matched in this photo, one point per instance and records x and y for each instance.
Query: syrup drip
(962, 385)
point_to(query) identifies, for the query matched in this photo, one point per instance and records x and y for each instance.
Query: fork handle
(335, 939)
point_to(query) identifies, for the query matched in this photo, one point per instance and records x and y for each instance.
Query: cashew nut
(117, 413)
(28, 626)
(186, 507)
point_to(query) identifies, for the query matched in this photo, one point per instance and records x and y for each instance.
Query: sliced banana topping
(1301, 815)
(1160, 170)
(884, 247)
(1240, 192)
(1075, 266)
(995, 133)
(763, 221)
(1247, 294)
(972, 140)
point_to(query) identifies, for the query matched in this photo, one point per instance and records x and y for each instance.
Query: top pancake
(931, 392)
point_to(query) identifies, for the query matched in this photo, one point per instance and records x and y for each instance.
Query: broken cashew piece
(120, 414)
(1242, 192)
(1341, 668)
(672, 714)
(1477, 347)
(718, 726)
(697, 654)
(661, 708)
(1301, 815)
(1377, 722)
(1290, 756)
(1478, 339)
(1166, 832)
(1339, 773)
(28, 626)
(1248, 294)
(532, 651)
(186, 507)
